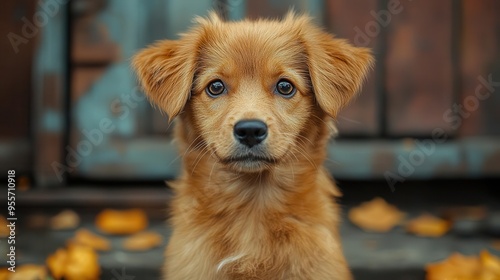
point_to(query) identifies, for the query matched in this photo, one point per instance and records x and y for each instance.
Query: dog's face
(252, 90)
(251, 94)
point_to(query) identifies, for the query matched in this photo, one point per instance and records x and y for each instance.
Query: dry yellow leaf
(122, 221)
(82, 263)
(4, 273)
(87, 238)
(77, 262)
(459, 267)
(4, 230)
(142, 241)
(376, 215)
(428, 226)
(490, 264)
(67, 219)
(57, 263)
(29, 272)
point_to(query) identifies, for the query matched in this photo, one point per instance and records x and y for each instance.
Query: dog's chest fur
(269, 233)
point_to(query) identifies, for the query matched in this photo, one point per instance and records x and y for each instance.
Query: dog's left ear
(166, 70)
(337, 70)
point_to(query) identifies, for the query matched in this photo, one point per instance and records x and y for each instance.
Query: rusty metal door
(429, 61)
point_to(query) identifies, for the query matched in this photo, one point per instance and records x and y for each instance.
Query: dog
(253, 101)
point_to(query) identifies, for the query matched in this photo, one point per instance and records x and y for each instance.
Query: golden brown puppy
(254, 99)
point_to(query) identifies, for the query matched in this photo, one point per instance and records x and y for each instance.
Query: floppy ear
(337, 70)
(166, 71)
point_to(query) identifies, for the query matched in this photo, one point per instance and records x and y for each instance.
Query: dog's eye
(285, 88)
(215, 88)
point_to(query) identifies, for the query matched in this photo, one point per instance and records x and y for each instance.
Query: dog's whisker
(301, 151)
(191, 144)
(298, 136)
(332, 161)
(186, 152)
(212, 170)
(198, 159)
(325, 122)
(350, 120)
(300, 147)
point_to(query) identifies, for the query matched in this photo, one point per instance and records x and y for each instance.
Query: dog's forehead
(252, 46)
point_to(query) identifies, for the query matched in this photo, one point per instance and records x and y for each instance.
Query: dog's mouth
(249, 159)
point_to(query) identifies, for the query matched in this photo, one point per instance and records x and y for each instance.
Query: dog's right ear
(166, 70)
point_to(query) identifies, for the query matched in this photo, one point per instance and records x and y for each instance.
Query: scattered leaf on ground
(122, 221)
(4, 230)
(376, 215)
(77, 262)
(67, 219)
(428, 226)
(88, 238)
(143, 241)
(460, 267)
(29, 272)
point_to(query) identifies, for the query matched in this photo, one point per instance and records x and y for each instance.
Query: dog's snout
(250, 132)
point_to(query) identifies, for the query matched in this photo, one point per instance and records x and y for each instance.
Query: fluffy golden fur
(273, 218)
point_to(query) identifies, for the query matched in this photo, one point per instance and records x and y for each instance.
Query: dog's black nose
(250, 132)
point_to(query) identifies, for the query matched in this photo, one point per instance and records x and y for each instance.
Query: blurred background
(423, 134)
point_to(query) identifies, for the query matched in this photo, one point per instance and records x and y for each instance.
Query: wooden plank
(49, 93)
(87, 7)
(351, 19)
(266, 9)
(17, 154)
(82, 79)
(50, 132)
(17, 57)
(419, 78)
(480, 59)
(277, 9)
(91, 42)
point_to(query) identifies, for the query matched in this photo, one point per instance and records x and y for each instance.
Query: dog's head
(256, 93)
